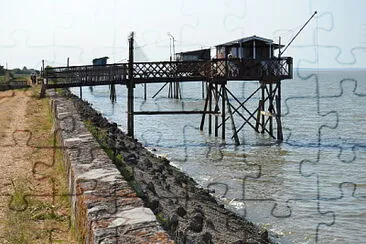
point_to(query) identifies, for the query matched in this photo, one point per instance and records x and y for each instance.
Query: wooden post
(279, 123)
(130, 87)
(175, 90)
(271, 108)
(145, 96)
(81, 87)
(42, 73)
(210, 107)
(233, 127)
(216, 107)
(205, 110)
(223, 115)
(262, 108)
(44, 82)
(170, 90)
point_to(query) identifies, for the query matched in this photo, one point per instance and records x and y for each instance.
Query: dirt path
(32, 183)
(13, 159)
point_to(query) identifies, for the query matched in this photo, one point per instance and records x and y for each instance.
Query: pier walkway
(216, 70)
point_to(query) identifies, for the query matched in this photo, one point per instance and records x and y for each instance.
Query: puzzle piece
(233, 21)
(348, 200)
(337, 153)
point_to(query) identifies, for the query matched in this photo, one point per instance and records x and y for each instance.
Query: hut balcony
(265, 70)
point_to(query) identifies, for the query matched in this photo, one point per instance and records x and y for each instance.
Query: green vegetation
(16, 74)
(101, 136)
(24, 71)
(126, 170)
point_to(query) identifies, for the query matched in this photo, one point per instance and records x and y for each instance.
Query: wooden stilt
(233, 127)
(263, 86)
(279, 122)
(216, 109)
(257, 122)
(210, 88)
(160, 90)
(130, 87)
(145, 92)
(170, 90)
(205, 110)
(270, 108)
(223, 116)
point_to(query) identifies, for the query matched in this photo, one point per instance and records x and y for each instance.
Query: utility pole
(170, 49)
(172, 40)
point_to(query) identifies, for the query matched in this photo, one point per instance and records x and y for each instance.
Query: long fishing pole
(298, 33)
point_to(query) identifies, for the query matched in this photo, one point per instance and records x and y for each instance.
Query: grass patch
(2, 79)
(101, 135)
(30, 220)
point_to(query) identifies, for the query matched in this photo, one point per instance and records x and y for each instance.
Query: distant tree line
(24, 71)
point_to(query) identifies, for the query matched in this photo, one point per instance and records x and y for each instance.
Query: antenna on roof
(298, 33)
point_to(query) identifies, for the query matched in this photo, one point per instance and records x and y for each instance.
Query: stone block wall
(105, 209)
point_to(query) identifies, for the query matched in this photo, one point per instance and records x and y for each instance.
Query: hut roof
(200, 53)
(105, 58)
(248, 39)
(195, 52)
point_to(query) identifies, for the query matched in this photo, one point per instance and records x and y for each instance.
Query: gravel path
(13, 145)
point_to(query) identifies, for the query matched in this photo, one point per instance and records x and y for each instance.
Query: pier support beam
(279, 122)
(223, 115)
(130, 90)
(271, 109)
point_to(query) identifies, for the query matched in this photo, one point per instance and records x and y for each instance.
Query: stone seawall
(105, 209)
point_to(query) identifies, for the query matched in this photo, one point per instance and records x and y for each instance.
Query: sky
(50, 30)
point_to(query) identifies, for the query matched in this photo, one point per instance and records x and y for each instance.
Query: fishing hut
(253, 47)
(174, 90)
(100, 61)
(247, 59)
(196, 55)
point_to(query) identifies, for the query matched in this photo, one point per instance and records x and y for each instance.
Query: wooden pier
(215, 73)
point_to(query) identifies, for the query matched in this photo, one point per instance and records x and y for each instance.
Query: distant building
(253, 47)
(197, 55)
(100, 61)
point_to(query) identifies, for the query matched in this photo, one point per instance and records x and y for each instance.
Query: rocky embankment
(186, 211)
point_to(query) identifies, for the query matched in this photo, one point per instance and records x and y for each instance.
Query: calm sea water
(310, 188)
